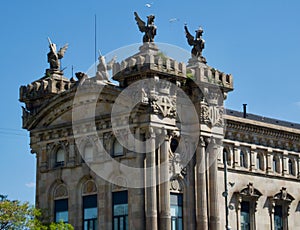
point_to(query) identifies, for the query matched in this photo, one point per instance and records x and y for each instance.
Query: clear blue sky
(258, 41)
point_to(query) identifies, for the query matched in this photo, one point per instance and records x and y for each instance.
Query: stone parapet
(149, 59)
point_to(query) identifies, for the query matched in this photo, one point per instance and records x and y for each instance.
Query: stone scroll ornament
(54, 56)
(149, 29)
(197, 42)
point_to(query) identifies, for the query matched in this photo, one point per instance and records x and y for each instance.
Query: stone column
(165, 215)
(236, 156)
(253, 157)
(138, 205)
(189, 197)
(269, 161)
(214, 217)
(202, 218)
(151, 209)
(285, 159)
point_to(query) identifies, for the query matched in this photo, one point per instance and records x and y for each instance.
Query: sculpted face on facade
(139, 146)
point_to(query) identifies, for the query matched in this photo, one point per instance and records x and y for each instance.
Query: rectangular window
(176, 201)
(120, 210)
(245, 215)
(61, 210)
(278, 220)
(90, 212)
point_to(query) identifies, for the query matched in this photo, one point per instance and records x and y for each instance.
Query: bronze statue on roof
(149, 29)
(197, 42)
(54, 56)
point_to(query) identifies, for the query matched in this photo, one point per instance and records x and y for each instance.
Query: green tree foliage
(15, 215)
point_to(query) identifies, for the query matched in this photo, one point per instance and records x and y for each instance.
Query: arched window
(174, 144)
(59, 157)
(259, 161)
(243, 159)
(117, 148)
(61, 210)
(88, 153)
(276, 164)
(291, 167)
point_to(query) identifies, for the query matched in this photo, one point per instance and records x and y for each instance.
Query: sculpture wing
(62, 51)
(141, 24)
(189, 37)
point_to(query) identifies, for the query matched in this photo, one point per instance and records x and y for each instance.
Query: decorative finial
(197, 42)
(149, 29)
(54, 56)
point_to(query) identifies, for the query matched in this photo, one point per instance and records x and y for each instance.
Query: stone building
(157, 150)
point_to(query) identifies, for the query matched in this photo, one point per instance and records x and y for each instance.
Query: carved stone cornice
(255, 134)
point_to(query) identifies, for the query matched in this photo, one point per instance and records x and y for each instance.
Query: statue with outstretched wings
(149, 29)
(197, 42)
(54, 56)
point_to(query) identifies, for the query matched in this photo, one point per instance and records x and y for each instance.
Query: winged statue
(197, 42)
(149, 29)
(54, 56)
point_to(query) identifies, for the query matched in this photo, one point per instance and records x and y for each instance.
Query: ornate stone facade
(93, 138)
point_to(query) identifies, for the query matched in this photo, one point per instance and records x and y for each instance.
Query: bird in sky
(172, 20)
(149, 5)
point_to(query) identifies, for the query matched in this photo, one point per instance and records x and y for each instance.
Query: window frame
(283, 199)
(60, 151)
(120, 198)
(57, 209)
(114, 152)
(93, 221)
(251, 195)
(178, 219)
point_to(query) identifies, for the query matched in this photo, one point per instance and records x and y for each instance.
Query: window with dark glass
(120, 210)
(278, 218)
(174, 144)
(90, 212)
(245, 215)
(60, 157)
(291, 168)
(258, 162)
(176, 201)
(117, 149)
(276, 164)
(243, 159)
(61, 210)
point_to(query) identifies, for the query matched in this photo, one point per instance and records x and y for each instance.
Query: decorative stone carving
(283, 195)
(89, 187)
(212, 115)
(175, 185)
(61, 191)
(248, 194)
